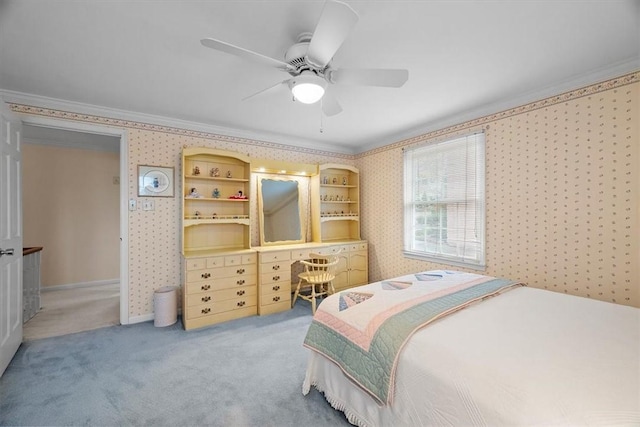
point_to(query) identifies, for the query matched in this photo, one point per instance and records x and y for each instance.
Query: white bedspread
(528, 357)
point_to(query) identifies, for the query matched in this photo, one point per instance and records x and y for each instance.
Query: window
(444, 202)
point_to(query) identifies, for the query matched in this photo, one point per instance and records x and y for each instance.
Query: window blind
(444, 201)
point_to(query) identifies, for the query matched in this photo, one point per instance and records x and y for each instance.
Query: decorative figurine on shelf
(197, 214)
(215, 172)
(196, 170)
(194, 194)
(214, 216)
(325, 180)
(216, 193)
(238, 195)
(335, 180)
(229, 174)
(325, 198)
(344, 180)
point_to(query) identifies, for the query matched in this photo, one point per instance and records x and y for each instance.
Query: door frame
(124, 188)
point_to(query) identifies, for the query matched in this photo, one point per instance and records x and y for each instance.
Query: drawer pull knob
(206, 310)
(276, 267)
(240, 303)
(205, 275)
(276, 288)
(240, 293)
(276, 299)
(240, 271)
(276, 278)
(205, 287)
(206, 299)
(240, 282)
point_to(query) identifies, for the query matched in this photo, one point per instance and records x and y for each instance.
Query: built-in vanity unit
(300, 208)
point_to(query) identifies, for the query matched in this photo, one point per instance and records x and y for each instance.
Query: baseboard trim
(139, 319)
(148, 317)
(79, 285)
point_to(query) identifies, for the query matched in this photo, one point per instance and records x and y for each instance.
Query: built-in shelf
(216, 178)
(216, 220)
(336, 203)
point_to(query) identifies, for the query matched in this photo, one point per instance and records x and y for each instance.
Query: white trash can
(165, 302)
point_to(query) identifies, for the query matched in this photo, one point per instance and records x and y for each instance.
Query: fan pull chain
(321, 124)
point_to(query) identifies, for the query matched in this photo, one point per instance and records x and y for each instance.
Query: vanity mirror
(280, 211)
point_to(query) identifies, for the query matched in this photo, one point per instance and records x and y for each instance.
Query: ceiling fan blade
(269, 89)
(335, 24)
(330, 105)
(246, 54)
(370, 77)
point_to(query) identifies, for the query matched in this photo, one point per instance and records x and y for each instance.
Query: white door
(10, 237)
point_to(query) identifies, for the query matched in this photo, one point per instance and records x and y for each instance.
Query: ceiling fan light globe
(308, 88)
(308, 93)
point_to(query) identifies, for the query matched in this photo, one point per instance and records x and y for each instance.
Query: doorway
(82, 171)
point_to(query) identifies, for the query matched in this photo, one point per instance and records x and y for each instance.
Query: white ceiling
(465, 59)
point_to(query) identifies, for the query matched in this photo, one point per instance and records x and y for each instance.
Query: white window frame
(470, 250)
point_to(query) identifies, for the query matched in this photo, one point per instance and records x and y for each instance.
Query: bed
(508, 355)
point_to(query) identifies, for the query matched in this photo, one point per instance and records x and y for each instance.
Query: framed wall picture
(155, 181)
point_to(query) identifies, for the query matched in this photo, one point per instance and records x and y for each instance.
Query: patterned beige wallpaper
(563, 210)
(562, 194)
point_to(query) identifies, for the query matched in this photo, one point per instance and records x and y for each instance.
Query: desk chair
(318, 275)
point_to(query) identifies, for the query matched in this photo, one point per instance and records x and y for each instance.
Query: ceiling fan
(308, 62)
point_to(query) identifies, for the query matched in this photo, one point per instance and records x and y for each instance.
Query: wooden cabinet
(224, 278)
(336, 203)
(220, 269)
(215, 210)
(219, 288)
(353, 268)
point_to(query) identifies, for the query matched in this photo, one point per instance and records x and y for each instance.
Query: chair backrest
(321, 268)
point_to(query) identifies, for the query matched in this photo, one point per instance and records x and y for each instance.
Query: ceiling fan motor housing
(296, 55)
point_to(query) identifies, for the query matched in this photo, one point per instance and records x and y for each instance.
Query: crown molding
(568, 88)
(35, 104)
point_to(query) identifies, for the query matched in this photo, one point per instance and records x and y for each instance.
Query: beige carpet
(67, 311)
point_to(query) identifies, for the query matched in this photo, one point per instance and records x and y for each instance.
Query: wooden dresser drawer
(299, 254)
(239, 270)
(220, 284)
(329, 250)
(274, 298)
(267, 257)
(222, 295)
(275, 277)
(216, 273)
(273, 288)
(214, 307)
(201, 275)
(250, 258)
(275, 267)
(357, 247)
(196, 264)
(240, 280)
(215, 262)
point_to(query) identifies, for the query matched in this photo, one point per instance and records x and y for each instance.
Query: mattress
(527, 357)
